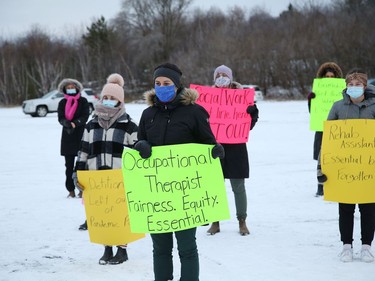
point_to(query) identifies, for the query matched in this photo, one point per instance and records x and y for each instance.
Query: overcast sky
(65, 16)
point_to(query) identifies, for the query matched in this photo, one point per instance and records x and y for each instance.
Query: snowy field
(294, 235)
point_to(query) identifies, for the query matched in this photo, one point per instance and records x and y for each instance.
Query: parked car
(258, 93)
(49, 102)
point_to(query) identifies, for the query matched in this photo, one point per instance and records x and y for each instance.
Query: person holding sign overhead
(354, 105)
(173, 117)
(236, 162)
(103, 141)
(326, 70)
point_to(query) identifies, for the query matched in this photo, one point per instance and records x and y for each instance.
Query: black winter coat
(181, 121)
(71, 138)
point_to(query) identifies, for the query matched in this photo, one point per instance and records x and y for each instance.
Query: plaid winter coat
(102, 149)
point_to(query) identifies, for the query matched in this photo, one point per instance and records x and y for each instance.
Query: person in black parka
(173, 117)
(73, 113)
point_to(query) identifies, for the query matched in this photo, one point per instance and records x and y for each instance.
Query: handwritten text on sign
(178, 187)
(348, 160)
(106, 208)
(327, 91)
(229, 120)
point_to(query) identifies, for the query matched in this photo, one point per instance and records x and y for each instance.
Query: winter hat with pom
(223, 69)
(114, 87)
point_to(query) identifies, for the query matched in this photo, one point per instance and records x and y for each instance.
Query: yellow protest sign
(327, 91)
(348, 160)
(106, 207)
(177, 188)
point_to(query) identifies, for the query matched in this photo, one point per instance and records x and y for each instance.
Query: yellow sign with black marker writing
(106, 207)
(348, 160)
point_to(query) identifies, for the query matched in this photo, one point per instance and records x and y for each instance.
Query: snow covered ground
(294, 235)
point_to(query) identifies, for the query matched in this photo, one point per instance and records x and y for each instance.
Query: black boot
(108, 254)
(120, 257)
(83, 226)
(319, 192)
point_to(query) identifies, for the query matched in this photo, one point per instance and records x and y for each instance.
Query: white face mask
(355, 91)
(222, 82)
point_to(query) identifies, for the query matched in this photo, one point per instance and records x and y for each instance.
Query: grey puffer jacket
(346, 109)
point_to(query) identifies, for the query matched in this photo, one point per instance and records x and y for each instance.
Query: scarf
(108, 115)
(71, 105)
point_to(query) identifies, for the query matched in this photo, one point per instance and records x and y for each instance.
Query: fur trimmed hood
(68, 81)
(186, 96)
(336, 69)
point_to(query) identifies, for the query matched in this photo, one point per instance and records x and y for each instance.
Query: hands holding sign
(178, 187)
(144, 148)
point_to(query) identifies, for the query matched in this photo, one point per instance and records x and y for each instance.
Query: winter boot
(243, 228)
(319, 192)
(108, 254)
(71, 194)
(120, 257)
(215, 228)
(83, 226)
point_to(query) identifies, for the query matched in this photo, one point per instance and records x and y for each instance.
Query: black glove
(218, 151)
(144, 148)
(310, 96)
(322, 178)
(66, 123)
(76, 183)
(252, 110)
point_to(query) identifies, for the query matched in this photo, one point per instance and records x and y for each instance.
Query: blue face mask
(355, 91)
(110, 103)
(71, 91)
(165, 93)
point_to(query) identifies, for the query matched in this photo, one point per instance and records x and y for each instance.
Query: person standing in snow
(356, 104)
(72, 112)
(326, 70)
(103, 141)
(235, 165)
(173, 117)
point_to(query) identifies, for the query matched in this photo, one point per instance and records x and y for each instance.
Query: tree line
(280, 54)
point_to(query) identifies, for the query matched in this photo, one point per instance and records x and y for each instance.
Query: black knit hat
(169, 70)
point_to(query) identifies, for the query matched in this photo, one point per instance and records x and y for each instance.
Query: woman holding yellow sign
(103, 141)
(356, 104)
(173, 117)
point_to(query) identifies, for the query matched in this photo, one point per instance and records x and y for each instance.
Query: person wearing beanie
(326, 70)
(354, 105)
(173, 117)
(235, 165)
(102, 144)
(73, 113)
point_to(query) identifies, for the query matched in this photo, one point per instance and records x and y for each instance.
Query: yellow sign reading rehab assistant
(348, 160)
(178, 187)
(106, 207)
